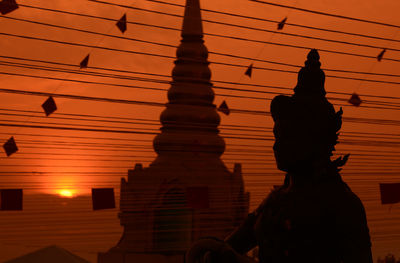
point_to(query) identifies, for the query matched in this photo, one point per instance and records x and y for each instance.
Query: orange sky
(72, 163)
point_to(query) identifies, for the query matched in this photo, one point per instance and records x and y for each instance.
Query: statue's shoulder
(273, 200)
(343, 202)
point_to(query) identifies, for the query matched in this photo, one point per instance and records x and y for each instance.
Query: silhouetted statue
(314, 216)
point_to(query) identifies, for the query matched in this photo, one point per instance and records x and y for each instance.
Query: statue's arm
(243, 238)
(356, 242)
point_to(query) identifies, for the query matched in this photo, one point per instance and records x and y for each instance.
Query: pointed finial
(311, 78)
(313, 54)
(192, 25)
(313, 59)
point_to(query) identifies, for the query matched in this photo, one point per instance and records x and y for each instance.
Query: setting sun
(66, 193)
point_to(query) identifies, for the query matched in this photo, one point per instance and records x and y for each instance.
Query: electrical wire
(323, 13)
(192, 79)
(244, 39)
(217, 53)
(22, 92)
(156, 81)
(212, 11)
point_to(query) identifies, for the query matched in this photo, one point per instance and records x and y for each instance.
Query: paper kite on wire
(249, 70)
(84, 62)
(7, 6)
(380, 56)
(49, 106)
(390, 193)
(10, 146)
(224, 108)
(10, 199)
(282, 24)
(103, 198)
(121, 24)
(355, 100)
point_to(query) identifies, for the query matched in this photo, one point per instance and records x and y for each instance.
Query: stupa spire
(192, 25)
(190, 120)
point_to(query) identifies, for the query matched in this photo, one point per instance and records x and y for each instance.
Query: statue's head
(311, 78)
(305, 127)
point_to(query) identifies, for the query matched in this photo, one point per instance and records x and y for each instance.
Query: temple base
(126, 257)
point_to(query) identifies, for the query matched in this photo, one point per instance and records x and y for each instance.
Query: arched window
(172, 223)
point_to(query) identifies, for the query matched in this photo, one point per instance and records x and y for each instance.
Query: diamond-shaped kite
(7, 6)
(355, 100)
(224, 108)
(390, 193)
(121, 24)
(380, 56)
(103, 198)
(249, 70)
(49, 106)
(10, 199)
(282, 24)
(10, 146)
(84, 62)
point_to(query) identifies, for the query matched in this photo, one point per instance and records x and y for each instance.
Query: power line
(73, 129)
(389, 105)
(144, 151)
(264, 128)
(381, 167)
(81, 81)
(324, 14)
(189, 126)
(277, 21)
(278, 32)
(165, 56)
(92, 73)
(214, 62)
(102, 99)
(148, 80)
(86, 45)
(266, 162)
(99, 173)
(156, 121)
(245, 39)
(127, 77)
(168, 76)
(229, 151)
(78, 97)
(243, 111)
(207, 10)
(227, 136)
(126, 145)
(217, 53)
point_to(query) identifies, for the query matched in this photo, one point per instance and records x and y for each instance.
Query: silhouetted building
(49, 254)
(187, 192)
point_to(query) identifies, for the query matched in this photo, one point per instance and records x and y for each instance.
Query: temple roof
(49, 254)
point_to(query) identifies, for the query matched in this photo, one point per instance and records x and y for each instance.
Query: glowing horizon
(66, 193)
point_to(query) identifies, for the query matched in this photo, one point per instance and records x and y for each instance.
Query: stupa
(187, 192)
